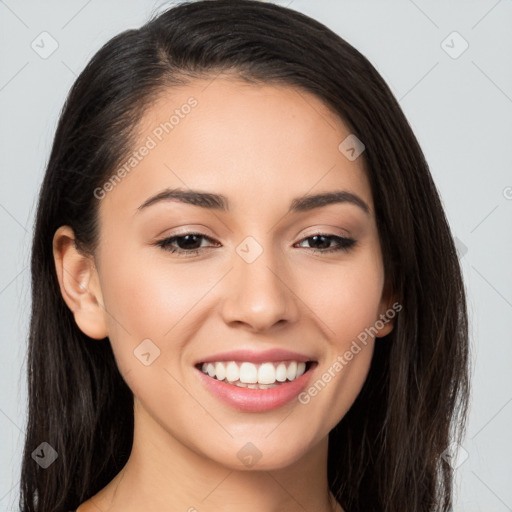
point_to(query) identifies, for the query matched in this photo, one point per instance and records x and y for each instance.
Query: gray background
(460, 109)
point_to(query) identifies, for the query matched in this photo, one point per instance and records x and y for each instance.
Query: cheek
(350, 371)
(148, 296)
(346, 300)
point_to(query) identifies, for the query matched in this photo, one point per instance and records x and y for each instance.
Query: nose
(259, 294)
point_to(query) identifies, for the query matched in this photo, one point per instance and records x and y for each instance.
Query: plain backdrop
(448, 64)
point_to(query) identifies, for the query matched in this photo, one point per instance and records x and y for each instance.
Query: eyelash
(345, 244)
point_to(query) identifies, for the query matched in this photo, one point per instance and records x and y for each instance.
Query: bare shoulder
(102, 501)
(97, 503)
(87, 506)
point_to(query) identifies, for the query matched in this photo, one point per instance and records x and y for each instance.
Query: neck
(165, 475)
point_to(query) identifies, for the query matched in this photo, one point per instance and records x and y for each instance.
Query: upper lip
(257, 356)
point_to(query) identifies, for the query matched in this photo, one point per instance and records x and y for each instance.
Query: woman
(245, 289)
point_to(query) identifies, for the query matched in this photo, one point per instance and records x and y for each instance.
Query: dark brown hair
(386, 453)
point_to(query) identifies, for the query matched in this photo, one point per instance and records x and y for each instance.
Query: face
(263, 290)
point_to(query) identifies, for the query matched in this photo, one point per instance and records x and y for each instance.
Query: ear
(388, 309)
(79, 284)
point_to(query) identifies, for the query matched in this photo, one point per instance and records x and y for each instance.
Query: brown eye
(322, 243)
(187, 244)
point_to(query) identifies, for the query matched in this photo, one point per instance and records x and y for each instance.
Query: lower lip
(256, 400)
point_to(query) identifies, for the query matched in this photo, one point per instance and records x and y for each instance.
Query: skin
(260, 146)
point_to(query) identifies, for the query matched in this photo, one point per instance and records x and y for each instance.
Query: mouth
(245, 374)
(256, 382)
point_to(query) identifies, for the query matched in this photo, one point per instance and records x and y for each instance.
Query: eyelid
(342, 233)
(193, 229)
(327, 231)
(343, 243)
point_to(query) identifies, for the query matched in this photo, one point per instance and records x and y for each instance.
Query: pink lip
(257, 357)
(255, 400)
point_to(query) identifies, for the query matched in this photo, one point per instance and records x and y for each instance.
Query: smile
(256, 381)
(265, 375)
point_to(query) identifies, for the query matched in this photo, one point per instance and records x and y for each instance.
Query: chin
(263, 455)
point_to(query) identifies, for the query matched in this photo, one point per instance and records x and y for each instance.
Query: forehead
(254, 143)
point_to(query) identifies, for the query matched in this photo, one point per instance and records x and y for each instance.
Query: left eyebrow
(219, 202)
(194, 197)
(309, 202)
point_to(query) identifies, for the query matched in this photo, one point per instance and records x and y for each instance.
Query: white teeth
(281, 372)
(291, 372)
(255, 386)
(263, 376)
(248, 373)
(232, 372)
(266, 374)
(220, 371)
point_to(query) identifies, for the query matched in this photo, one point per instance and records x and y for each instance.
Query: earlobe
(386, 321)
(79, 284)
(384, 325)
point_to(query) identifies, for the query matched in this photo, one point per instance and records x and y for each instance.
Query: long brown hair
(386, 453)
